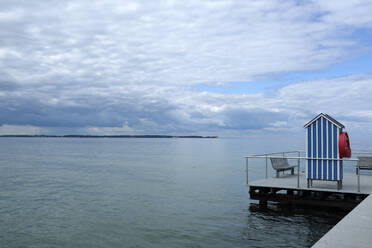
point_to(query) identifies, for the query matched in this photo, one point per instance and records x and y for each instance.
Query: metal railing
(266, 156)
(358, 167)
(269, 155)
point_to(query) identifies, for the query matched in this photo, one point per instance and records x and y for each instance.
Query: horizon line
(104, 136)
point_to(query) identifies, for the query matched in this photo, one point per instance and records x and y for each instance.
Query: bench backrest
(279, 163)
(365, 161)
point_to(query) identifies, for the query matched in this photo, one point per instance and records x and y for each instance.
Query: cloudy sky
(183, 67)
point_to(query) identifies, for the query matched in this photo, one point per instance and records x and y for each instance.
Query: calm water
(63, 192)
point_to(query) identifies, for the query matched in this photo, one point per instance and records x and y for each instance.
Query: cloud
(170, 109)
(161, 42)
(352, 13)
(131, 66)
(17, 130)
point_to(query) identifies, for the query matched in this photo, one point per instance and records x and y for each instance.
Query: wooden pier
(354, 230)
(286, 189)
(325, 183)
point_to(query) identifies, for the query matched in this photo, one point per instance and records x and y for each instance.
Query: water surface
(71, 192)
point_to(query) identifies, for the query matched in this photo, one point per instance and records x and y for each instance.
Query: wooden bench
(364, 163)
(281, 164)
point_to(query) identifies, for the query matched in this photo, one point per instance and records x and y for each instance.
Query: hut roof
(327, 117)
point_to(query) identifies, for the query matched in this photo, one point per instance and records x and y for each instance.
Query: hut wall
(322, 142)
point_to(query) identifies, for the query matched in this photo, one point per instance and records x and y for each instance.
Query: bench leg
(292, 171)
(277, 174)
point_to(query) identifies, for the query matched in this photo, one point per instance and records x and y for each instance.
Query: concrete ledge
(354, 230)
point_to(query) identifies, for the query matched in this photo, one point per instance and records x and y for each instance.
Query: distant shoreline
(109, 136)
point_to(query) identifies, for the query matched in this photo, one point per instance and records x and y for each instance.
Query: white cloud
(156, 42)
(11, 15)
(19, 129)
(353, 12)
(95, 65)
(124, 129)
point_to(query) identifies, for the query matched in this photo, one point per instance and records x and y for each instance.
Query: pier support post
(309, 183)
(262, 204)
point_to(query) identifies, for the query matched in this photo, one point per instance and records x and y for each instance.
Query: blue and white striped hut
(322, 134)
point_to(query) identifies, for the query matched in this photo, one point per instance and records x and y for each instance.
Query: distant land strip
(110, 136)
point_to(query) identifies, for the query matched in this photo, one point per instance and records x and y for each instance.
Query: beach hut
(326, 143)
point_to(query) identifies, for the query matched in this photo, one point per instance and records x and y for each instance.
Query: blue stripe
(319, 123)
(330, 150)
(324, 146)
(335, 151)
(309, 151)
(320, 144)
(314, 150)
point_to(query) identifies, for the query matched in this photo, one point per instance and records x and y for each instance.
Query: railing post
(246, 170)
(358, 178)
(266, 168)
(298, 170)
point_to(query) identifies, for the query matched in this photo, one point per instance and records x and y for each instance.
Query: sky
(221, 67)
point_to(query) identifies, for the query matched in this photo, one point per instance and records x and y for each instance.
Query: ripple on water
(140, 193)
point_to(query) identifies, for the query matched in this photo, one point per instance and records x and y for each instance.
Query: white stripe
(327, 154)
(335, 146)
(316, 149)
(313, 162)
(338, 132)
(321, 147)
(307, 149)
(339, 163)
(312, 151)
(333, 162)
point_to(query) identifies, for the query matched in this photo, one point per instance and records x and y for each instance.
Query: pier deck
(323, 193)
(290, 181)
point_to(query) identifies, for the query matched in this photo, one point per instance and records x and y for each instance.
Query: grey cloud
(8, 86)
(169, 109)
(250, 120)
(68, 108)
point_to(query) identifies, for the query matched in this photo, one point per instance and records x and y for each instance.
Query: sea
(144, 192)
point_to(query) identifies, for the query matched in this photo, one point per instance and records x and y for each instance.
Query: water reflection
(288, 226)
